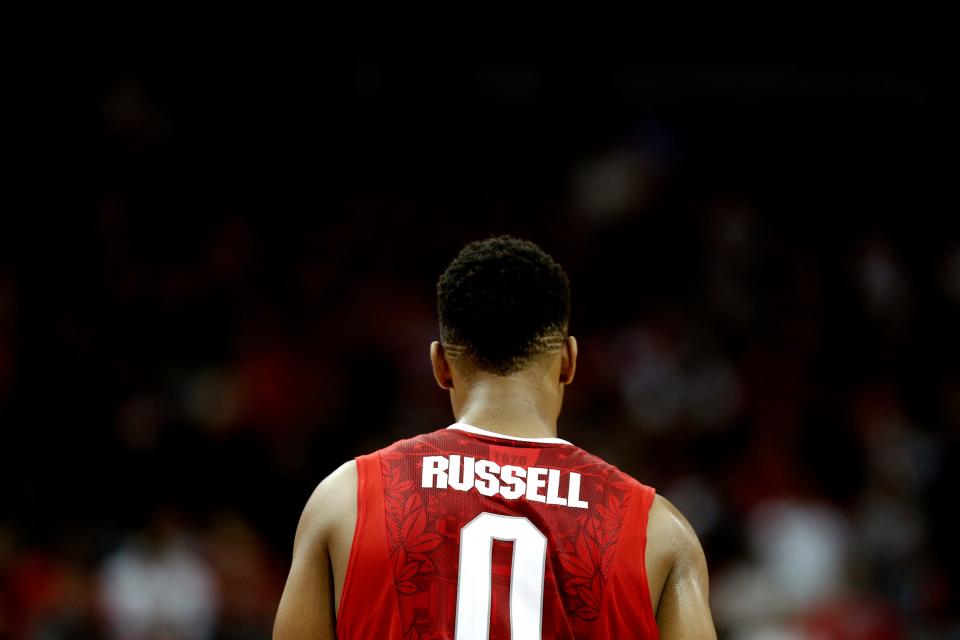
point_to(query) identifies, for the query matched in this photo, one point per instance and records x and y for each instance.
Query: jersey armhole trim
(648, 498)
(642, 498)
(354, 546)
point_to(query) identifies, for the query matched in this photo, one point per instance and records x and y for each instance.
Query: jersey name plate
(536, 484)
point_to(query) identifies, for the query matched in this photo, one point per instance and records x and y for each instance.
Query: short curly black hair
(501, 302)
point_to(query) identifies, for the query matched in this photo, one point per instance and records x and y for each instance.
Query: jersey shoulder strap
(368, 604)
(627, 603)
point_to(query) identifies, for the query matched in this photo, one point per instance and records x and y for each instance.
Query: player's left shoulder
(307, 606)
(329, 504)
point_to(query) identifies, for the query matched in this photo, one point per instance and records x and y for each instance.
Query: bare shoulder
(677, 574)
(671, 543)
(669, 533)
(333, 499)
(308, 603)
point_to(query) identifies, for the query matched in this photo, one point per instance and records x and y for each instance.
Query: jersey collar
(469, 428)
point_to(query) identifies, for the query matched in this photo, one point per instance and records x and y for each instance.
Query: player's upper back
(467, 534)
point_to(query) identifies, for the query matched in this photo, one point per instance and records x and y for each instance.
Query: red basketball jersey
(464, 534)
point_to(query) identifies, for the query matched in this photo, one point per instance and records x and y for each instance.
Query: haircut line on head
(544, 345)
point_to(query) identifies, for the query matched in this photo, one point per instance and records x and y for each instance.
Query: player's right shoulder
(672, 547)
(670, 530)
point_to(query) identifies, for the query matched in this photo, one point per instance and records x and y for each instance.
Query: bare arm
(307, 608)
(684, 608)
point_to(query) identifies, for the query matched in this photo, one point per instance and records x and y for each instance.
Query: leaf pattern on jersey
(411, 536)
(589, 554)
(584, 556)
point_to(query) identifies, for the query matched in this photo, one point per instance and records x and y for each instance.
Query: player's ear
(568, 360)
(441, 368)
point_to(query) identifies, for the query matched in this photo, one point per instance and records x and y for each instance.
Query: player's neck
(509, 409)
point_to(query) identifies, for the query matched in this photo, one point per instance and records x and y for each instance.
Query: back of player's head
(502, 302)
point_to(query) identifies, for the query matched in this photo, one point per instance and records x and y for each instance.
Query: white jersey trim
(469, 428)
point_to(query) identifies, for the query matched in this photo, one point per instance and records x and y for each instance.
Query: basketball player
(494, 527)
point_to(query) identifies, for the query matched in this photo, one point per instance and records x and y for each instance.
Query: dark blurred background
(220, 287)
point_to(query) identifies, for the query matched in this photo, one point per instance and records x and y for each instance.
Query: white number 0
(476, 576)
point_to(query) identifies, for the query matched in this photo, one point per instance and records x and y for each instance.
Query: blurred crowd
(235, 295)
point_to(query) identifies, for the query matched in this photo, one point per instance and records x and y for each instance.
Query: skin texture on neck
(525, 404)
